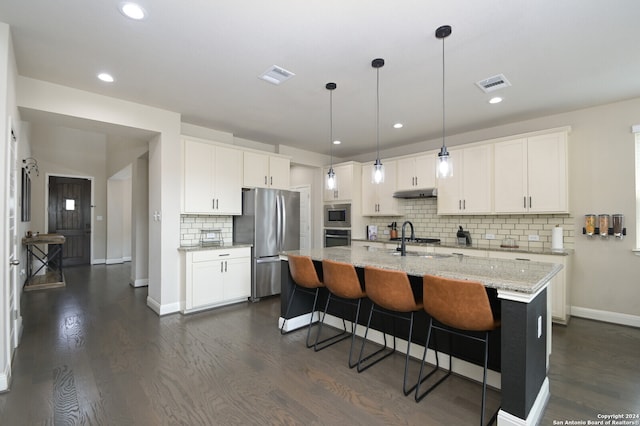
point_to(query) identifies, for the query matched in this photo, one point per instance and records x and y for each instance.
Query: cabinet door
(369, 193)
(476, 180)
(449, 189)
(425, 171)
(387, 205)
(279, 172)
(237, 278)
(207, 285)
(228, 181)
(547, 173)
(406, 174)
(510, 176)
(344, 179)
(256, 170)
(198, 178)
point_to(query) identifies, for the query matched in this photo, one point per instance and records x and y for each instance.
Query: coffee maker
(464, 237)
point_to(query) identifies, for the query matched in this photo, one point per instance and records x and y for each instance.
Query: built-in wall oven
(337, 237)
(337, 216)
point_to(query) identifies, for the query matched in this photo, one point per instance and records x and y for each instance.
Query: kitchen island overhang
(520, 289)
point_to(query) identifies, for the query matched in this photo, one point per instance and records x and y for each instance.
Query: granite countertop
(199, 247)
(502, 274)
(487, 247)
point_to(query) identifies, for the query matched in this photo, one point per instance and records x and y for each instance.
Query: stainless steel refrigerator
(271, 222)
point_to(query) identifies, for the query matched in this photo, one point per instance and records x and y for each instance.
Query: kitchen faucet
(403, 245)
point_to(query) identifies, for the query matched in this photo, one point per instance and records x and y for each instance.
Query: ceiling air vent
(494, 83)
(276, 75)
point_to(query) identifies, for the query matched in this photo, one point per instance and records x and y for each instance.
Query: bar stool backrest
(390, 289)
(303, 272)
(342, 280)
(459, 304)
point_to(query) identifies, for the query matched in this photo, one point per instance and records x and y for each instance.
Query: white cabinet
(212, 179)
(377, 199)
(265, 171)
(530, 175)
(417, 172)
(347, 179)
(215, 277)
(469, 190)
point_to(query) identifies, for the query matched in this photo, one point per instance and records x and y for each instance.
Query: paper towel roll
(556, 238)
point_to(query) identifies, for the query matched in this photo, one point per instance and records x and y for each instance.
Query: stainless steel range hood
(417, 193)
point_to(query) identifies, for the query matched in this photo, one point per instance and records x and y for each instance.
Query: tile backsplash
(190, 226)
(422, 212)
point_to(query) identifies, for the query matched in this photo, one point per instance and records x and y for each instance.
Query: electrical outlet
(490, 236)
(534, 237)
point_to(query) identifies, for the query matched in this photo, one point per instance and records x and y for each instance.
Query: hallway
(94, 353)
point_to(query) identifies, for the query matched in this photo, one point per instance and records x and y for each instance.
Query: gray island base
(519, 349)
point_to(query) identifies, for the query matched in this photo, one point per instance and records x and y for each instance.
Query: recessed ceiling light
(337, 142)
(132, 10)
(108, 78)
(398, 126)
(495, 100)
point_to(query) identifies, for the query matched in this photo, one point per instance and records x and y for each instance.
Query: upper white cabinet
(530, 175)
(417, 172)
(377, 199)
(469, 190)
(347, 182)
(265, 171)
(212, 179)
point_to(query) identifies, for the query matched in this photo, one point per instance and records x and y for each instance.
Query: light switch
(539, 326)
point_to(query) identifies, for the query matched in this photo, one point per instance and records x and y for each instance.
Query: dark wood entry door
(70, 215)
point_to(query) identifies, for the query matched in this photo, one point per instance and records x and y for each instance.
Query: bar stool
(341, 279)
(306, 279)
(456, 306)
(391, 291)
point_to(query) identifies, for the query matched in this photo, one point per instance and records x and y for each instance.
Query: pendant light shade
(445, 165)
(331, 175)
(377, 175)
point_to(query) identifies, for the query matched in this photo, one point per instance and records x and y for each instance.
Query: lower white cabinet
(215, 277)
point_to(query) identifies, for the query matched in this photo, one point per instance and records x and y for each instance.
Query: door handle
(225, 266)
(14, 262)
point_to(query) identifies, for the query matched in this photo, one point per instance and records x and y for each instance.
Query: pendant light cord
(443, 113)
(331, 127)
(378, 112)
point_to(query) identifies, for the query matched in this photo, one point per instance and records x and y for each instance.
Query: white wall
(140, 222)
(303, 175)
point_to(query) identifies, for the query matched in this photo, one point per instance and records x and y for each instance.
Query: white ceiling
(201, 58)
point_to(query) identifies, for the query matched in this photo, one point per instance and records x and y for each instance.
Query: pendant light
(331, 175)
(377, 175)
(445, 165)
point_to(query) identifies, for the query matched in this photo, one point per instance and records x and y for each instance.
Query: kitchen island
(520, 290)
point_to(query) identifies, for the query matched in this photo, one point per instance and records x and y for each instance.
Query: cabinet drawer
(231, 253)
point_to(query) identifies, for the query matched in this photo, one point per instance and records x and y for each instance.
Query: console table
(50, 261)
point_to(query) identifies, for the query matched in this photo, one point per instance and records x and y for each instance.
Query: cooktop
(417, 240)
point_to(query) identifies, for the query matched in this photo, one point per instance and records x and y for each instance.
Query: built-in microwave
(337, 215)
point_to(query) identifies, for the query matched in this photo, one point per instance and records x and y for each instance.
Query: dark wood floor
(93, 353)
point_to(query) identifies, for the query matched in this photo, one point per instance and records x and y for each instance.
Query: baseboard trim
(5, 378)
(126, 258)
(161, 310)
(140, 282)
(535, 414)
(99, 261)
(297, 322)
(115, 261)
(606, 316)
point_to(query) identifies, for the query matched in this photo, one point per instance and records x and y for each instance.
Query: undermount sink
(423, 255)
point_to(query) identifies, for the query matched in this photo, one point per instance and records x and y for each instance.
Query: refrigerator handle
(284, 223)
(278, 224)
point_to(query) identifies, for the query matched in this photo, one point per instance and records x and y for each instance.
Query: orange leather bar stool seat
(391, 294)
(457, 307)
(304, 274)
(341, 279)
